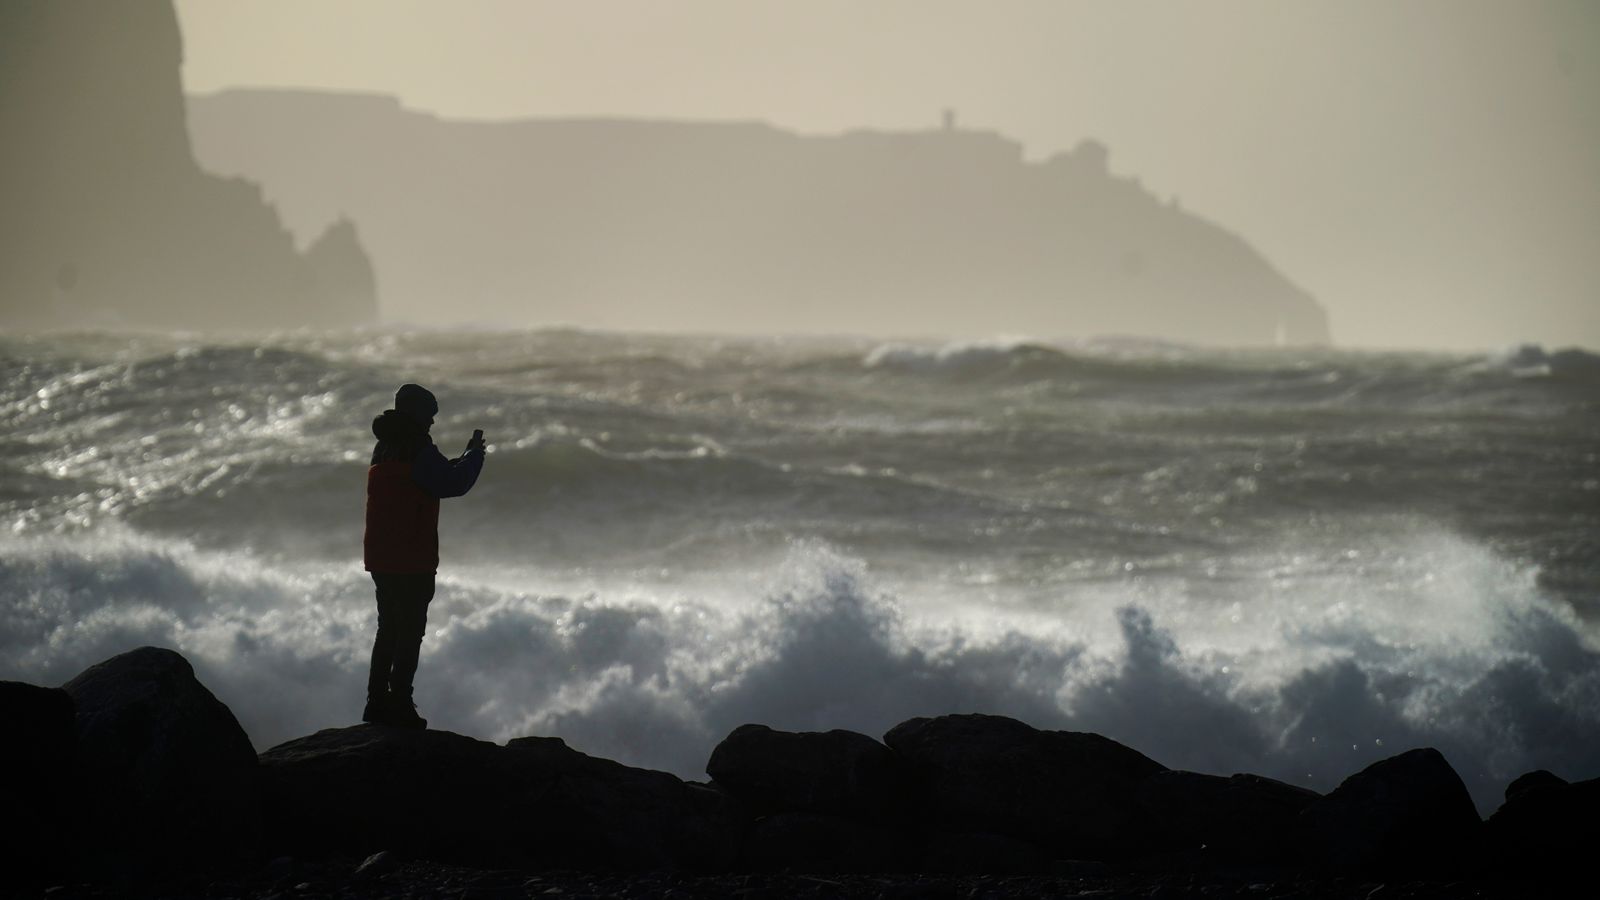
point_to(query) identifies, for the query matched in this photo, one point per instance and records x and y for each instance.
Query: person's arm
(446, 477)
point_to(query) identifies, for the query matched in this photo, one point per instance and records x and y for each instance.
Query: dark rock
(378, 864)
(1406, 814)
(1241, 818)
(1069, 792)
(1535, 780)
(168, 774)
(368, 788)
(921, 890)
(805, 842)
(840, 773)
(36, 778)
(619, 815)
(494, 892)
(280, 869)
(1545, 828)
(438, 795)
(1081, 868)
(982, 853)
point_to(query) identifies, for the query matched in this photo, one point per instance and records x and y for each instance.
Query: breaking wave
(1498, 678)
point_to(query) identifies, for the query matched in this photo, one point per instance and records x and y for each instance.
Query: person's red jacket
(408, 478)
(402, 535)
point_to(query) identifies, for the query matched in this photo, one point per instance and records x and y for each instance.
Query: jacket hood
(394, 425)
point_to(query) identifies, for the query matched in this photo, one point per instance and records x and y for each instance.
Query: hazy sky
(1429, 170)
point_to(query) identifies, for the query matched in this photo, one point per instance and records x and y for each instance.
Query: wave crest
(657, 681)
(963, 357)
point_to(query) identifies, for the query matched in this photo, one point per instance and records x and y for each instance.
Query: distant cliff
(744, 227)
(105, 217)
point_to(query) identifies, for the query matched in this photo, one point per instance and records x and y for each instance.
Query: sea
(1291, 562)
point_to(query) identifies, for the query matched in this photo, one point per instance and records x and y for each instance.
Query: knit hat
(417, 402)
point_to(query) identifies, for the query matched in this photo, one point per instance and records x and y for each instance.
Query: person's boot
(377, 709)
(403, 713)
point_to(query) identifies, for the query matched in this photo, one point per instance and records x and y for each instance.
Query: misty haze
(1220, 379)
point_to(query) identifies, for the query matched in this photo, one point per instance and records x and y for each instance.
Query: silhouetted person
(407, 479)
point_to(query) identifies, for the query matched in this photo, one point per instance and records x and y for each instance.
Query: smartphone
(477, 437)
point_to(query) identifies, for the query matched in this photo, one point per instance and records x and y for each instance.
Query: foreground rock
(807, 842)
(1245, 818)
(167, 774)
(136, 775)
(1070, 793)
(1538, 779)
(333, 877)
(1545, 829)
(1406, 814)
(36, 777)
(838, 773)
(533, 802)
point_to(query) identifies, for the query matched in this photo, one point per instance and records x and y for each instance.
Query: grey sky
(1429, 170)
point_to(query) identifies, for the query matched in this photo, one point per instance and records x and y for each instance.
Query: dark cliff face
(106, 218)
(743, 227)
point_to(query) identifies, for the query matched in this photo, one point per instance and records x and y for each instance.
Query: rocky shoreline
(134, 780)
(344, 878)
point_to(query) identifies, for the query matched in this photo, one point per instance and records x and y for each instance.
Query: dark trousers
(402, 618)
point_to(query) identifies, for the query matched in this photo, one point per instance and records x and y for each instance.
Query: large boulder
(1243, 818)
(1538, 779)
(602, 813)
(168, 775)
(1071, 793)
(838, 773)
(36, 778)
(982, 853)
(1402, 815)
(1545, 828)
(368, 788)
(807, 842)
(443, 796)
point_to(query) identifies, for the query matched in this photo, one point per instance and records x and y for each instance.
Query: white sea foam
(1499, 679)
(953, 355)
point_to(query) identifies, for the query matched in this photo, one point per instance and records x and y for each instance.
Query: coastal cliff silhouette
(108, 220)
(744, 227)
